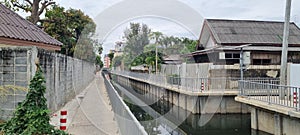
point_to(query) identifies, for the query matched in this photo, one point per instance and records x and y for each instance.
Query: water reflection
(220, 124)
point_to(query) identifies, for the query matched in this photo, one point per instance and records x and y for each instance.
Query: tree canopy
(74, 29)
(137, 37)
(34, 7)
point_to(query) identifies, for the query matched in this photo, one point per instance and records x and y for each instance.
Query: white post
(284, 53)
(156, 59)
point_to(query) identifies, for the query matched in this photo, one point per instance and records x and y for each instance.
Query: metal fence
(127, 122)
(272, 93)
(192, 84)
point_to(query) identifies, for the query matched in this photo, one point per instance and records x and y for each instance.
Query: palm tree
(157, 36)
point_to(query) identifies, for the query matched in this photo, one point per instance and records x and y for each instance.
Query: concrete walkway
(90, 113)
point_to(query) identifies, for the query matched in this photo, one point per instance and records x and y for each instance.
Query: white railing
(127, 122)
(191, 84)
(272, 93)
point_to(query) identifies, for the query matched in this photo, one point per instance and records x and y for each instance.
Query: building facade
(107, 61)
(220, 42)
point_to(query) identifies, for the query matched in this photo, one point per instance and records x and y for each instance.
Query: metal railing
(271, 93)
(192, 84)
(127, 122)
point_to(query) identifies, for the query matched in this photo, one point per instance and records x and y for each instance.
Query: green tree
(111, 55)
(117, 61)
(99, 62)
(32, 115)
(157, 36)
(137, 36)
(72, 27)
(34, 7)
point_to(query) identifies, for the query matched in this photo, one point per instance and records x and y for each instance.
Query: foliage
(117, 61)
(34, 7)
(32, 115)
(190, 44)
(111, 56)
(147, 58)
(99, 61)
(137, 36)
(73, 28)
(157, 36)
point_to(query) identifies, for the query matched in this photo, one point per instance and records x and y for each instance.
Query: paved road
(91, 112)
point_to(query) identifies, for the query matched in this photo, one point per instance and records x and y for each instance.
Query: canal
(162, 118)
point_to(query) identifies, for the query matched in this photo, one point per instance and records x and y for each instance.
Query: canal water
(181, 122)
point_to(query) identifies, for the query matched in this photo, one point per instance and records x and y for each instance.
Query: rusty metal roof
(250, 31)
(14, 26)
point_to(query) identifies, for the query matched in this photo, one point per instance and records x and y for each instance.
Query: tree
(137, 37)
(32, 115)
(157, 36)
(34, 7)
(70, 26)
(117, 61)
(99, 61)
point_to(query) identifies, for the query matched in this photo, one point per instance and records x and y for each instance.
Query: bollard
(295, 97)
(202, 86)
(63, 120)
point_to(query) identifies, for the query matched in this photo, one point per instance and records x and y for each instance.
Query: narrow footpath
(90, 113)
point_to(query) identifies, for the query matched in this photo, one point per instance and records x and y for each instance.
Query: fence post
(298, 104)
(268, 89)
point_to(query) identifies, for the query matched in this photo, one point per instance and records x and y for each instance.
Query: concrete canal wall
(195, 103)
(271, 118)
(65, 76)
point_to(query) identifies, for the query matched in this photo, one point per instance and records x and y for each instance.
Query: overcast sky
(223, 9)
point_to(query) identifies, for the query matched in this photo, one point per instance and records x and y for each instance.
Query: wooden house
(220, 42)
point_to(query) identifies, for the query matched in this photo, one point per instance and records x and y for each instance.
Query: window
(261, 61)
(232, 56)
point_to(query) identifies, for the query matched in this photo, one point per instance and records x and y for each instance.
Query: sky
(271, 10)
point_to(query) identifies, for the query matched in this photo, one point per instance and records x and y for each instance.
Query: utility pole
(241, 64)
(156, 57)
(283, 70)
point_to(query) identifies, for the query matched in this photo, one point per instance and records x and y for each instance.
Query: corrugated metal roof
(248, 31)
(14, 26)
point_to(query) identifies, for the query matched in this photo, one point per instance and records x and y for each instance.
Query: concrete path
(90, 113)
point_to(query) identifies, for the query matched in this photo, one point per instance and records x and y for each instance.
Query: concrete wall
(65, 76)
(187, 70)
(201, 104)
(206, 70)
(274, 123)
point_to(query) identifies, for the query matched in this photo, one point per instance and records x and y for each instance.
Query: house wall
(65, 76)
(275, 57)
(206, 38)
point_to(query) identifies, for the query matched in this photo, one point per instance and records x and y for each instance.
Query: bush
(32, 116)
